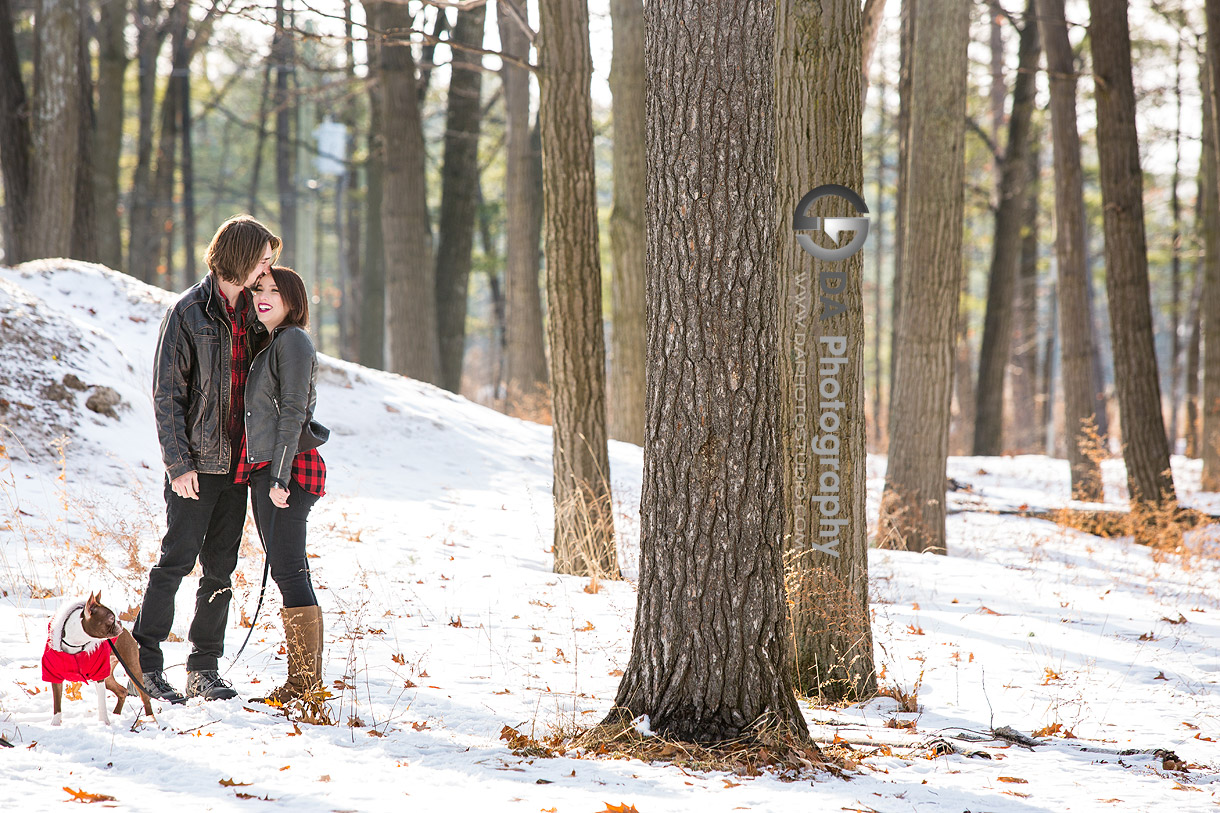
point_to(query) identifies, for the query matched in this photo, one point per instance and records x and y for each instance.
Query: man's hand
(186, 486)
(279, 496)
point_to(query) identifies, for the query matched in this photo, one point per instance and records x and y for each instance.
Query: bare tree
(15, 143)
(1006, 250)
(283, 54)
(459, 194)
(55, 129)
(584, 524)
(410, 275)
(711, 653)
(1076, 342)
(913, 505)
(1210, 305)
(819, 140)
(526, 363)
(627, 223)
(1145, 449)
(108, 139)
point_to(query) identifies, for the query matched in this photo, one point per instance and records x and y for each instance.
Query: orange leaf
(286, 767)
(1200, 736)
(586, 628)
(1014, 779)
(229, 783)
(987, 610)
(88, 798)
(623, 808)
(399, 659)
(72, 691)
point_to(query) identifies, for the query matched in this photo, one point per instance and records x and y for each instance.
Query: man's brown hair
(292, 291)
(238, 246)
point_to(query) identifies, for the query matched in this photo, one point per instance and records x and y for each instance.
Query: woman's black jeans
(283, 532)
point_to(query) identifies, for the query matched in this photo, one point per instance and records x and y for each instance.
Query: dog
(81, 641)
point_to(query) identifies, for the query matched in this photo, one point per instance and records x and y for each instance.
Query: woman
(281, 462)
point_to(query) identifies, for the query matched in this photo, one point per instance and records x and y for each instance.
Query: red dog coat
(82, 667)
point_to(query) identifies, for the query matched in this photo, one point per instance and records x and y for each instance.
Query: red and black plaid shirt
(240, 369)
(308, 469)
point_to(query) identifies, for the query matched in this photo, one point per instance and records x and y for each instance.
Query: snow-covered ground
(444, 621)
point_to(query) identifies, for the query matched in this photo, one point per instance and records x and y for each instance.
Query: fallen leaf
(1200, 736)
(1147, 636)
(985, 610)
(586, 628)
(88, 798)
(1016, 780)
(324, 777)
(1181, 619)
(229, 783)
(72, 691)
(914, 630)
(729, 784)
(399, 659)
(623, 808)
(616, 673)
(1160, 676)
(1176, 786)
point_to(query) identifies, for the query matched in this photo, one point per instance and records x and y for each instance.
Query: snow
(444, 622)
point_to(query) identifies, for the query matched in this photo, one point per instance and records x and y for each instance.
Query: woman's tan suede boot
(303, 636)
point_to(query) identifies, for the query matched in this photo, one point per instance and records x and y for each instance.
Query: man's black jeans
(208, 529)
(283, 532)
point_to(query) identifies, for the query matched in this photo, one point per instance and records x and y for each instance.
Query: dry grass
(765, 749)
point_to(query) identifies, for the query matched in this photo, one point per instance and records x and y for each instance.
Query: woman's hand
(279, 496)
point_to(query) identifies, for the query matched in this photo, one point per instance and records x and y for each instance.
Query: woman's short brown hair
(292, 291)
(237, 247)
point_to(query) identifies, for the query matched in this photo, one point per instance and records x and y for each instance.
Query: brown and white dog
(77, 651)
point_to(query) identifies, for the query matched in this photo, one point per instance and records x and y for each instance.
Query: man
(199, 383)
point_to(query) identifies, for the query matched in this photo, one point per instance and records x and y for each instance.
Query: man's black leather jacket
(192, 381)
(280, 396)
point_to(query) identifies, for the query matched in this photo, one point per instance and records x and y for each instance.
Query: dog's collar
(63, 632)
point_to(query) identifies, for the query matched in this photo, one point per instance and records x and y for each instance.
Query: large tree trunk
(56, 123)
(1145, 449)
(1006, 254)
(1076, 342)
(819, 140)
(711, 653)
(584, 523)
(913, 505)
(15, 143)
(182, 76)
(284, 54)
(526, 374)
(1210, 303)
(627, 238)
(108, 140)
(372, 276)
(410, 278)
(459, 185)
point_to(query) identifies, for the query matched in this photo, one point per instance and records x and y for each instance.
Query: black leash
(262, 591)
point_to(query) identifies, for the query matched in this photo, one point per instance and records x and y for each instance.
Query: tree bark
(410, 277)
(15, 143)
(372, 277)
(627, 237)
(459, 184)
(711, 653)
(526, 373)
(906, 43)
(871, 19)
(108, 140)
(1175, 211)
(1006, 253)
(143, 236)
(913, 505)
(1207, 229)
(352, 289)
(584, 524)
(1145, 449)
(1027, 431)
(1076, 341)
(83, 245)
(286, 127)
(1209, 443)
(819, 140)
(56, 123)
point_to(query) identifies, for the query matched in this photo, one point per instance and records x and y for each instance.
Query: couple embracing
(234, 392)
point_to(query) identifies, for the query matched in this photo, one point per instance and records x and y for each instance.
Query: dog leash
(262, 591)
